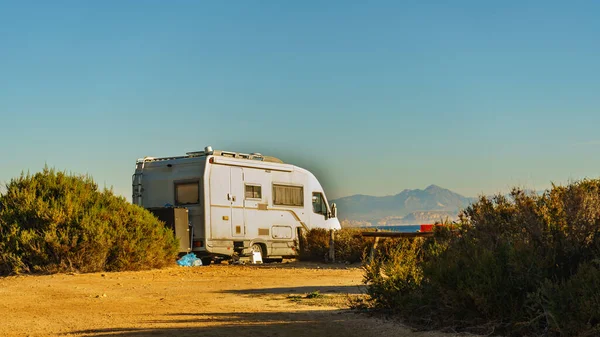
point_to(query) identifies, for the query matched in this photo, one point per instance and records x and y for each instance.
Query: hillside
(408, 206)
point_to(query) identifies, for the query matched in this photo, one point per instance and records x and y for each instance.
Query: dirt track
(216, 300)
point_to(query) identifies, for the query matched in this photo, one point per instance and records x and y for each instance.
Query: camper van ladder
(136, 198)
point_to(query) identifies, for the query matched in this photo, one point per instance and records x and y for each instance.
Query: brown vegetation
(524, 265)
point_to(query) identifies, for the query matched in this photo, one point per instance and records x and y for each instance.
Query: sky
(373, 97)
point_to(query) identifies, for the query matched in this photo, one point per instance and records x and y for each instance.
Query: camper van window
(319, 205)
(253, 192)
(187, 193)
(285, 195)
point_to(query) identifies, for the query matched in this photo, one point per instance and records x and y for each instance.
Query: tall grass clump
(523, 265)
(55, 222)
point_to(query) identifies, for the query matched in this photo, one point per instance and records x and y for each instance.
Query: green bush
(349, 246)
(54, 222)
(314, 245)
(394, 274)
(519, 265)
(572, 306)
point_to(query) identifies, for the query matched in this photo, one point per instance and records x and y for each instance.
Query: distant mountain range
(407, 207)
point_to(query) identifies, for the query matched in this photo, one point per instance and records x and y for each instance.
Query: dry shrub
(53, 222)
(349, 245)
(523, 265)
(394, 273)
(314, 245)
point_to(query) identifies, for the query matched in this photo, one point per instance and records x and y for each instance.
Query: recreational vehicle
(237, 203)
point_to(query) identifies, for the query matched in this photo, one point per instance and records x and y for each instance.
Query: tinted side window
(187, 193)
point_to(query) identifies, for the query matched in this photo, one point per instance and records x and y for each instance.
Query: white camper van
(237, 203)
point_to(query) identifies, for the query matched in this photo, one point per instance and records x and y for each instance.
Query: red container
(426, 228)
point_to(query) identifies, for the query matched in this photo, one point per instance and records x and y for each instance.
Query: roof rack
(209, 151)
(252, 156)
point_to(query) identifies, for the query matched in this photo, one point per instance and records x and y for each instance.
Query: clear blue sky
(374, 97)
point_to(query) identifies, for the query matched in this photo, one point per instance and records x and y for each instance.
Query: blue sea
(399, 228)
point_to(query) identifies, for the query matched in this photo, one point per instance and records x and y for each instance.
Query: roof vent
(207, 152)
(256, 156)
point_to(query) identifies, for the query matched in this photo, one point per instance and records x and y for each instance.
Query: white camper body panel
(240, 202)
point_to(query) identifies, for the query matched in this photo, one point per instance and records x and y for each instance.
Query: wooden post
(301, 241)
(374, 247)
(331, 246)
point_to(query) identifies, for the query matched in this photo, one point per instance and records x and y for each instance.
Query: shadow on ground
(354, 290)
(293, 264)
(300, 323)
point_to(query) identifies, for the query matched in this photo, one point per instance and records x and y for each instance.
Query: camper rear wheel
(257, 247)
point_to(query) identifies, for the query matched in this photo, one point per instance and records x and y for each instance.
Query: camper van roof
(237, 155)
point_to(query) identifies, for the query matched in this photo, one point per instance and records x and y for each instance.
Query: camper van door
(227, 200)
(237, 202)
(220, 202)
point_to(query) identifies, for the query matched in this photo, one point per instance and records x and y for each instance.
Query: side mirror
(333, 210)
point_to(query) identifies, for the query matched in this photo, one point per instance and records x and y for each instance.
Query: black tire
(206, 261)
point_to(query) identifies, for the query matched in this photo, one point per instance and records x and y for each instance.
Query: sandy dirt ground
(215, 300)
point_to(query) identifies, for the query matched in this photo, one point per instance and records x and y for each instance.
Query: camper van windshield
(319, 205)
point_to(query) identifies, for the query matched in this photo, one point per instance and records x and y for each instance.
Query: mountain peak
(432, 199)
(433, 187)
